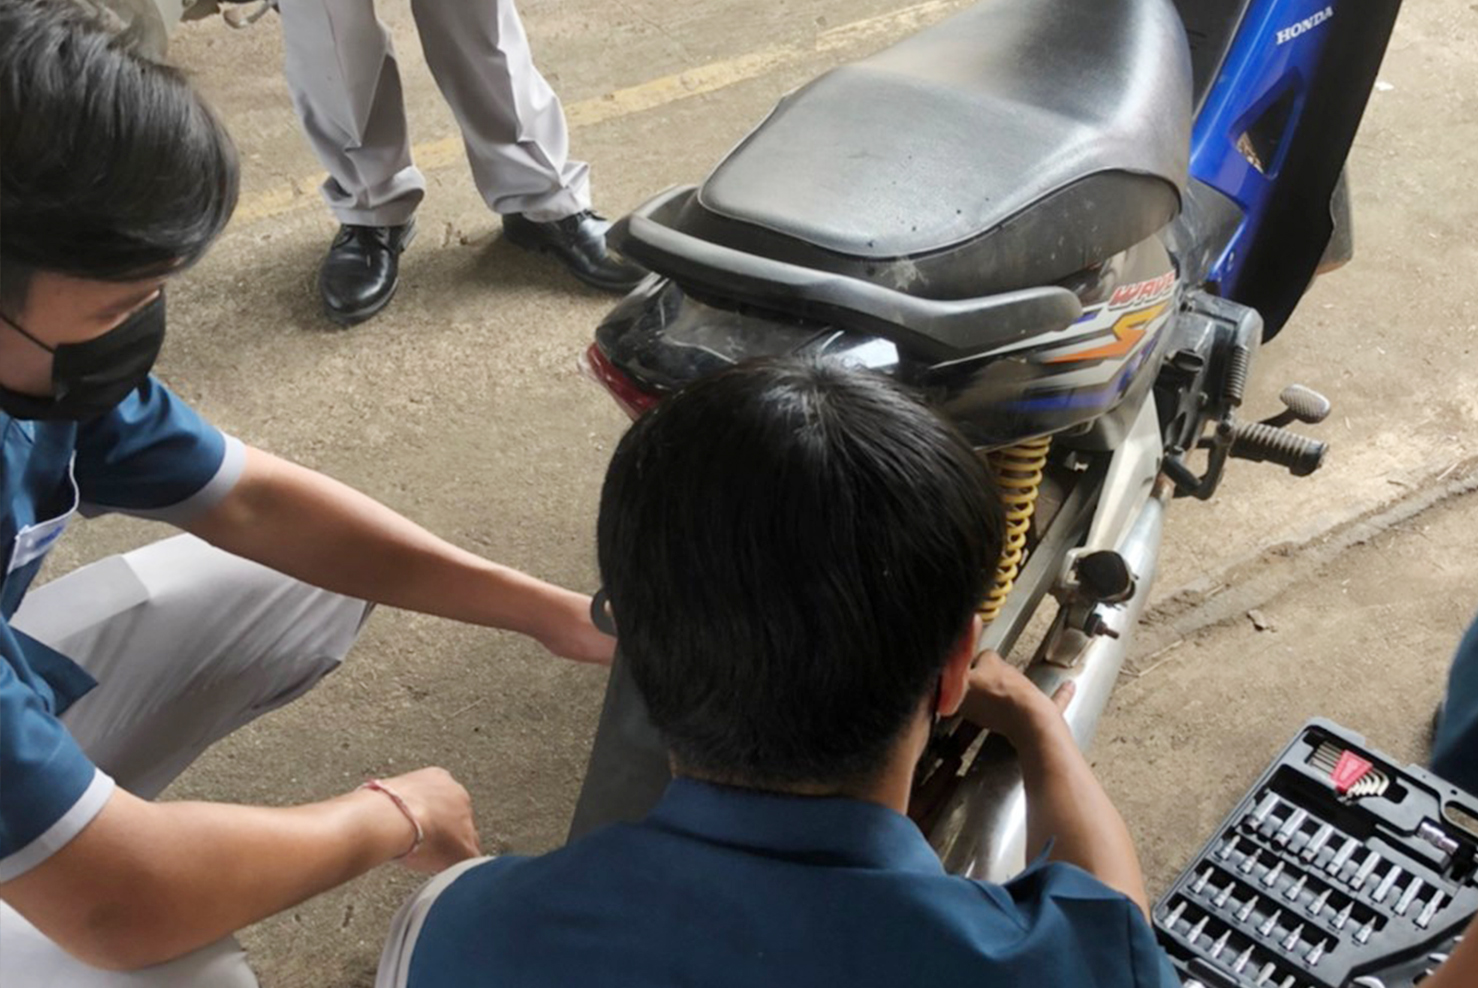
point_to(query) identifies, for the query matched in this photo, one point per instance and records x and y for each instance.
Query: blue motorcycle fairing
(1272, 132)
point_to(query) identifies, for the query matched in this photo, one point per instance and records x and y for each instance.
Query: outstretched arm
(144, 883)
(314, 528)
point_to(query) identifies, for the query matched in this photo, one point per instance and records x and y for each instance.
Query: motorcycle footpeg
(1265, 443)
(1105, 577)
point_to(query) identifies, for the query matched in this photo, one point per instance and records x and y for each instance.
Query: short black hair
(791, 548)
(112, 167)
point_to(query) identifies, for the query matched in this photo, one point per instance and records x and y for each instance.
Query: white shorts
(187, 644)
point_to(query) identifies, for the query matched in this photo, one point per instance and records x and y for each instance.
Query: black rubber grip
(1270, 444)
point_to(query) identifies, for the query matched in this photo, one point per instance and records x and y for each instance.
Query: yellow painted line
(898, 22)
(649, 95)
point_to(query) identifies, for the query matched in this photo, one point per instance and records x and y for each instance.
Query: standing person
(793, 554)
(1461, 969)
(1455, 748)
(345, 83)
(1455, 758)
(114, 176)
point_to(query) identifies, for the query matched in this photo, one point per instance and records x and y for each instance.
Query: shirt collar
(815, 829)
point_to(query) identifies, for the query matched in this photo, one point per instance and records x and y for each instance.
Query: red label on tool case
(1350, 769)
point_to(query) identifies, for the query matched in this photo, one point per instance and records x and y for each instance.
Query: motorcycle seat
(1012, 145)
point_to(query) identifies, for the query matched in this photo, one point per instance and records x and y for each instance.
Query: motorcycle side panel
(1065, 381)
(1210, 26)
(1273, 134)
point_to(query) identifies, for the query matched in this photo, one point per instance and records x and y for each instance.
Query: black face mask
(89, 379)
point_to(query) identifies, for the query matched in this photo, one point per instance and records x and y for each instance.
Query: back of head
(791, 550)
(111, 166)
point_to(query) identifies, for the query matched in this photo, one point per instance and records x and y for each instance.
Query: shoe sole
(358, 316)
(542, 250)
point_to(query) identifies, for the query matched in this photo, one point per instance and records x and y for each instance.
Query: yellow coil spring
(1018, 473)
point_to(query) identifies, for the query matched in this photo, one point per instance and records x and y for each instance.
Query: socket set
(1338, 869)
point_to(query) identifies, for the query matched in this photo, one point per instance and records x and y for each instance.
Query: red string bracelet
(377, 786)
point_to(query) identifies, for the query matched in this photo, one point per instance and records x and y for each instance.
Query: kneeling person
(793, 553)
(116, 676)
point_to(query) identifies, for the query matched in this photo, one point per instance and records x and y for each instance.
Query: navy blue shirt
(1455, 750)
(721, 887)
(150, 456)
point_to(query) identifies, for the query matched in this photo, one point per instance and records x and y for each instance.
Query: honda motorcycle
(1068, 223)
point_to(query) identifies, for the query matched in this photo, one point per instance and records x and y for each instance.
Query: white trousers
(345, 84)
(187, 644)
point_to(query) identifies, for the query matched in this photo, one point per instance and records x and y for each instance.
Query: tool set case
(1338, 869)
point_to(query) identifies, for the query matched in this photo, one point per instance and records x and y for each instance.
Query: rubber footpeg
(1105, 576)
(1264, 443)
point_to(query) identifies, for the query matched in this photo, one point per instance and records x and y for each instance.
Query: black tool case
(1302, 887)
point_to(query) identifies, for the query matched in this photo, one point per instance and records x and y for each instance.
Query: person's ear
(954, 680)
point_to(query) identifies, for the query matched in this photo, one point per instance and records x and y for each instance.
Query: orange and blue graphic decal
(1128, 330)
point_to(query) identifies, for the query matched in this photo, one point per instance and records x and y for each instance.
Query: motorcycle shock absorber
(1018, 473)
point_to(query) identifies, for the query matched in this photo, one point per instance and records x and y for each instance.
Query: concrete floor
(461, 406)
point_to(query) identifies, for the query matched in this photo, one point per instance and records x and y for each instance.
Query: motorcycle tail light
(627, 393)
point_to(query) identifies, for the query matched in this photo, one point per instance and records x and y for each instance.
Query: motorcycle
(1071, 225)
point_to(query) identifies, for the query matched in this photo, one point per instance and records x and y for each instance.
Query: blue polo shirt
(151, 456)
(727, 887)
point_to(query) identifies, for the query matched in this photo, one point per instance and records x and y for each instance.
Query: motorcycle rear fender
(665, 335)
(932, 330)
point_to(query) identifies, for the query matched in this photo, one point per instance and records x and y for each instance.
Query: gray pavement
(461, 406)
(1359, 627)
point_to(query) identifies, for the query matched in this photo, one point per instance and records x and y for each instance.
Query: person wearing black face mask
(90, 379)
(114, 176)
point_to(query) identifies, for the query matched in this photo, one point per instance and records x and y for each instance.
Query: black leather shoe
(362, 268)
(579, 243)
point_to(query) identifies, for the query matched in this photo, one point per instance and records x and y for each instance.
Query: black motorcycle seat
(1012, 144)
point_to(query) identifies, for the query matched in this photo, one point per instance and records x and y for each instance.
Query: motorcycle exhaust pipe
(983, 832)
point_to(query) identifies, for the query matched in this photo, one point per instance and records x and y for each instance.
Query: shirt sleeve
(49, 790)
(154, 456)
(1063, 904)
(405, 928)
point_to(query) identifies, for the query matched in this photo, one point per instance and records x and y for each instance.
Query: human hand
(573, 636)
(443, 809)
(1003, 700)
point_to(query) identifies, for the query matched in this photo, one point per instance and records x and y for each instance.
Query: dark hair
(111, 166)
(791, 549)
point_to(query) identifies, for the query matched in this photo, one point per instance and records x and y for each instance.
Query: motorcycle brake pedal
(1300, 404)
